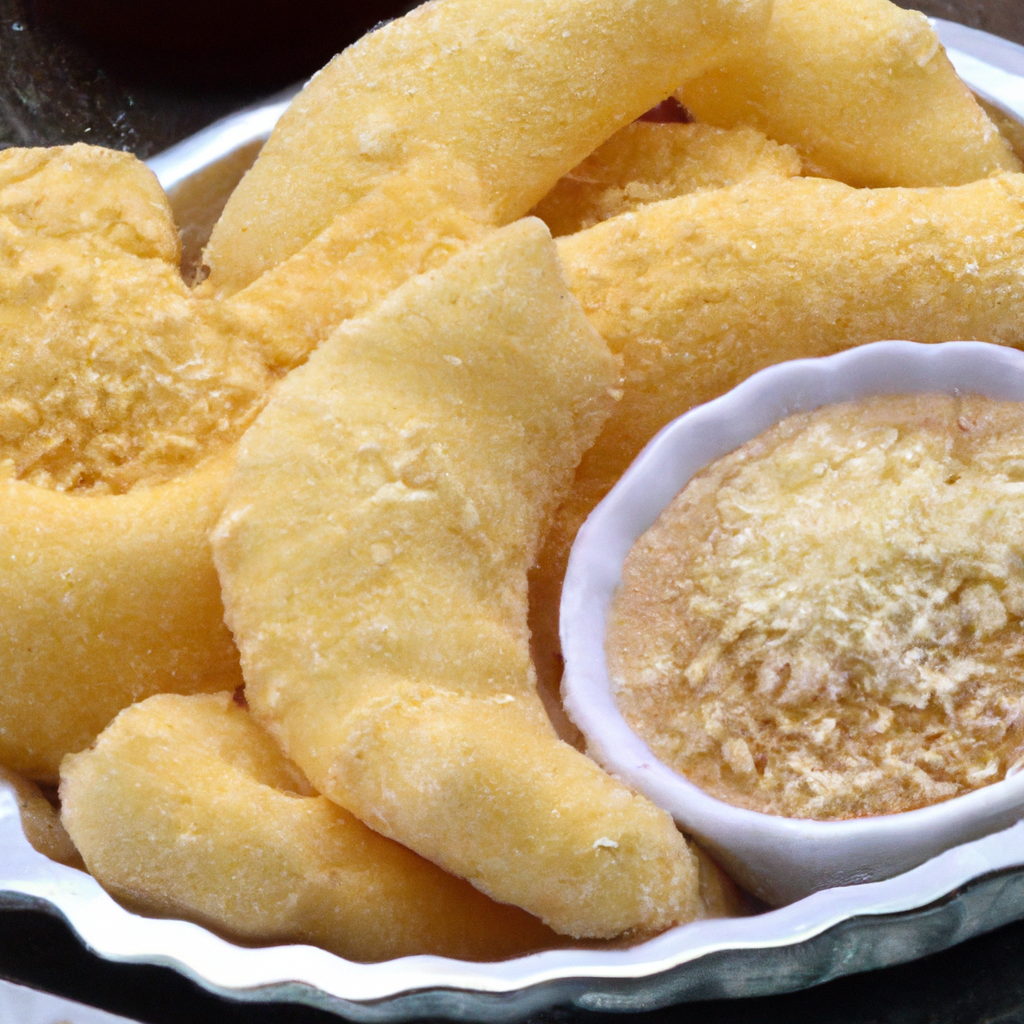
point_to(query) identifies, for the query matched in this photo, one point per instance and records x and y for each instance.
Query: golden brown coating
(120, 400)
(1010, 128)
(699, 292)
(516, 93)
(826, 623)
(185, 807)
(410, 223)
(40, 821)
(373, 554)
(862, 89)
(647, 161)
(105, 601)
(110, 375)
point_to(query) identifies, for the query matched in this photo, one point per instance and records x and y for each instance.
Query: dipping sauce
(826, 623)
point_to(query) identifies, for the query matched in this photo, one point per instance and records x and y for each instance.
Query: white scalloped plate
(961, 893)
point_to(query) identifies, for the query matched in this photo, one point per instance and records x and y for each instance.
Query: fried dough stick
(518, 93)
(185, 807)
(373, 552)
(697, 293)
(119, 406)
(862, 89)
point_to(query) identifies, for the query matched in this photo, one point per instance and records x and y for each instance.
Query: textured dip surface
(826, 623)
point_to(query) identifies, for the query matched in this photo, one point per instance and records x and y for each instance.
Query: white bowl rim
(594, 571)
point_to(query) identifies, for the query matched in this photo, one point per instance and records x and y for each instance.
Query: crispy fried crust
(373, 553)
(185, 807)
(106, 600)
(409, 224)
(864, 91)
(110, 375)
(119, 405)
(699, 292)
(647, 161)
(40, 821)
(517, 93)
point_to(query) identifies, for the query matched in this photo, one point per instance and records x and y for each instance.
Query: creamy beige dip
(826, 623)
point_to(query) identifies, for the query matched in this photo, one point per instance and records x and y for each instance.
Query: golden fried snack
(109, 374)
(410, 223)
(697, 293)
(105, 601)
(647, 161)
(186, 808)
(373, 553)
(1010, 128)
(826, 623)
(119, 406)
(40, 821)
(862, 89)
(518, 93)
(720, 896)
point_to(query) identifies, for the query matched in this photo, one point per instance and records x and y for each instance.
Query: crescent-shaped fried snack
(110, 375)
(1010, 128)
(105, 600)
(697, 293)
(373, 552)
(119, 405)
(864, 91)
(186, 808)
(648, 161)
(518, 93)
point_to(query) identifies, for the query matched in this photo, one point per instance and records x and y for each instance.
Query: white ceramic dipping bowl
(778, 859)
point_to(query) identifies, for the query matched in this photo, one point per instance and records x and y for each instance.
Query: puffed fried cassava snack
(185, 807)
(373, 552)
(516, 93)
(119, 404)
(862, 89)
(110, 375)
(697, 293)
(1011, 129)
(648, 161)
(408, 224)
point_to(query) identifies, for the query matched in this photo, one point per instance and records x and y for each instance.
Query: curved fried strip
(1010, 128)
(517, 92)
(110, 375)
(409, 224)
(862, 89)
(120, 401)
(103, 601)
(185, 807)
(373, 553)
(699, 292)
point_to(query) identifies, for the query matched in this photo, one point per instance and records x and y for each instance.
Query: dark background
(140, 75)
